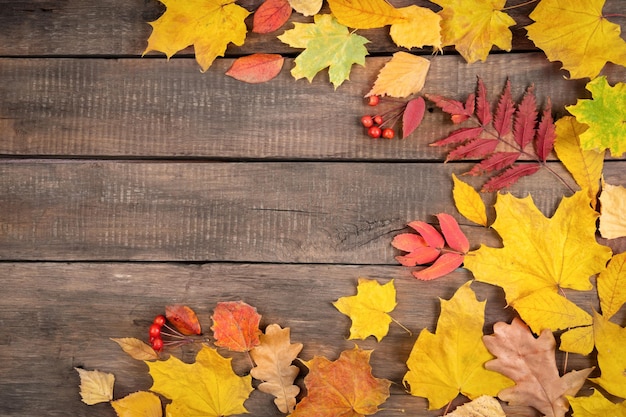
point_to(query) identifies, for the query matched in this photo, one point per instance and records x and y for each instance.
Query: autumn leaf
(531, 363)
(469, 202)
(585, 166)
(236, 326)
(605, 115)
(256, 68)
(344, 387)
(207, 387)
(421, 27)
(208, 25)
(577, 34)
(365, 14)
(138, 404)
(474, 26)
(306, 7)
(611, 284)
(412, 116)
(183, 318)
(540, 257)
(402, 76)
(95, 386)
(273, 358)
(327, 43)
(610, 341)
(596, 405)
(136, 348)
(450, 361)
(483, 406)
(612, 218)
(271, 15)
(369, 309)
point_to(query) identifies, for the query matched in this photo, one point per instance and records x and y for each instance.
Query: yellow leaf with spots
(208, 25)
(421, 27)
(369, 308)
(138, 404)
(365, 14)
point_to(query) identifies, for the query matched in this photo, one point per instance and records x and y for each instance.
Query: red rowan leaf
(236, 326)
(408, 242)
(494, 162)
(271, 15)
(483, 112)
(412, 116)
(510, 177)
(524, 127)
(445, 264)
(546, 133)
(454, 108)
(183, 318)
(459, 136)
(503, 121)
(419, 256)
(455, 238)
(256, 68)
(470, 104)
(431, 235)
(477, 148)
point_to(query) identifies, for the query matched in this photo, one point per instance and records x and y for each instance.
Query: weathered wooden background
(129, 183)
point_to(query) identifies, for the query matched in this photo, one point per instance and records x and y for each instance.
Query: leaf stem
(614, 15)
(402, 325)
(519, 5)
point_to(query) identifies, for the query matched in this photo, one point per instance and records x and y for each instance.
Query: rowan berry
(157, 344)
(378, 119)
(367, 121)
(155, 330)
(388, 133)
(373, 100)
(159, 320)
(374, 132)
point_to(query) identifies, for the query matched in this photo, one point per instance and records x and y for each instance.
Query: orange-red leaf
(455, 238)
(236, 326)
(431, 235)
(419, 256)
(408, 242)
(412, 116)
(271, 15)
(494, 162)
(183, 318)
(256, 68)
(445, 264)
(510, 177)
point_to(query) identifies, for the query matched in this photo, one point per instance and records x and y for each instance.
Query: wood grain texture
(60, 316)
(159, 109)
(246, 212)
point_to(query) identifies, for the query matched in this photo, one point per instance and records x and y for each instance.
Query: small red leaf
(510, 177)
(431, 235)
(412, 116)
(459, 136)
(546, 133)
(419, 256)
(408, 242)
(494, 162)
(453, 107)
(478, 148)
(183, 318)
(445, 264)
(236, 326)
(503, 120)
(525, 119)
(256, 68)
(271, 15)
(455, 238)
(483, 112)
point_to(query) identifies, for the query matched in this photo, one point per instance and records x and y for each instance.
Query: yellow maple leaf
(584, 165)
(138, 404)
(540, 257)
(576, 33)
(451, 361)
(612, 218)
(208, 25)
(421, 27)
(474, 26)
(369, 308)
(95, 386)
(403, 75)
(365, 14)
(610, 341)
(469, 202)
(207, 387)
(596, 405)
(612, 286)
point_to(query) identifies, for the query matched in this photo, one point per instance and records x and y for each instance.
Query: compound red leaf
(431, 235)
(459, 136)
(477, 148)
(503, 121)
(510, 177)
(483, 112)
(494, 162)
(546, 133)
(236, 326)
(256, 68)
(454, 108)
(183, 318)
(412, 116)
(455, 238)
(419, 256)
(445, 264)
(408, 242)
(524, 127)
(271, 15)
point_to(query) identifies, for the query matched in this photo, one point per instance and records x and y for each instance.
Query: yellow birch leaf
(368, 309)
(483, 406)
(136, 348)
(576, 33)
(596, 405)
(611, 285)
(610, 341)
(585, 166)
(138, 404)
(422, 27)
(468, 202)
(365, 14)
(208, 25)
(403, 75)
(95, 386)
(474, 26)
(451, 361)
(612, 217)
(306, 7)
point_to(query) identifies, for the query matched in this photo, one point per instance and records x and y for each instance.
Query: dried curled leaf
(95, 386)
(136, 349)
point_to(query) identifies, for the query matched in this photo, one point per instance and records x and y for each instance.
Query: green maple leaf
(327, 43)
(605, 115)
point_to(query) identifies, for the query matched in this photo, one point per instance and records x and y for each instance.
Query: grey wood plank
(57, 316)
(157, 109)
(257, 212)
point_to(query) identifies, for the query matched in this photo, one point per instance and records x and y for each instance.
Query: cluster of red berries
(156, 340)
(376, 125)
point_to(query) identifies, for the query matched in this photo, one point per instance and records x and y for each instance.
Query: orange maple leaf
(236, 326)
(345, 387)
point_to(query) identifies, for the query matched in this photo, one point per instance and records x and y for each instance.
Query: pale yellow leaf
(611, 285)
(138, 404)
(365, 14)
(422, 27)
(468, 202)
(306, 7)
(95, 386)
(136, 348)
(483, 406)
(402, 76)
(612, 217)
